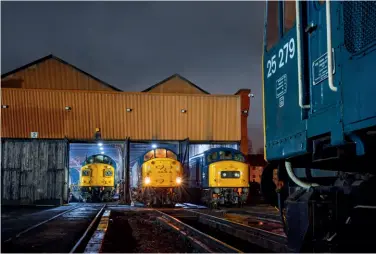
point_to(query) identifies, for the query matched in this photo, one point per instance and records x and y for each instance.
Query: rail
(200, 240)
(265, 239)
(41, 223)
(89, 228)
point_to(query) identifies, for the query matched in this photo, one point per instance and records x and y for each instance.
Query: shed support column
(244, 110)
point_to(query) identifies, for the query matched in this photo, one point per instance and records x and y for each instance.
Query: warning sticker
(281, 90)
(320, 68)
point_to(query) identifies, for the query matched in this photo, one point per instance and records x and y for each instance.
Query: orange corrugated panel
(53, 74)
(153, 116)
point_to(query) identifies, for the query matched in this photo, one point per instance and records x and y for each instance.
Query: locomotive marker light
(68, 108)
(184, 111)
(129, 110)
(4, 106)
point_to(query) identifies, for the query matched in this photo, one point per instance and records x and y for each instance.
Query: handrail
(329, 47)
(298, 38)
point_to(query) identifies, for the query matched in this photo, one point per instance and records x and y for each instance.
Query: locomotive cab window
(212, 157)
(289, 15)
(272, 32)
(225, 155)
(149, 155)
(239, 157)
(160, 153)
(171, 155)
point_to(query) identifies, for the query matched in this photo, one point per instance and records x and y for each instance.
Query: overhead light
(153, 146)
(101, 148)
(4, 106)
(183, 111)
(102, 152)
(100, 144)
(129, 110)
(68, 108)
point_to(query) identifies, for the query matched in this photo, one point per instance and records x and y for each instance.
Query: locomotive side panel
(359, 59)
(283, 117)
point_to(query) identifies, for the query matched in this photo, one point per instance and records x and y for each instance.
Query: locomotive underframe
(157, 196)
(336, 213)
(214, 197)
(96, 194)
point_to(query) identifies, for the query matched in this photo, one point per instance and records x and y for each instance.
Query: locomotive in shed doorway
(156, 178)
(220, 177)
(97, 178)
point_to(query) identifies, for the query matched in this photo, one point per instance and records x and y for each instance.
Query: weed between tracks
(132, 232)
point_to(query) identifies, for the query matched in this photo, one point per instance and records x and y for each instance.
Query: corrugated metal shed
(176, 84)
(51, 72)
(153, 116)
(34, 172)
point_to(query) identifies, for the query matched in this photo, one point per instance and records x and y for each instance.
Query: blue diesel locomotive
(319, 97)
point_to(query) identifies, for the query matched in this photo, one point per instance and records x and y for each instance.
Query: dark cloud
(132, 45)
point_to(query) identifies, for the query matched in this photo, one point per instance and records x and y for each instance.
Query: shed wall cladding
(52, 74)
(153, 116)
(34, 172)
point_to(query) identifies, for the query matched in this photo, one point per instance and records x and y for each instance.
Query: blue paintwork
(289, 129)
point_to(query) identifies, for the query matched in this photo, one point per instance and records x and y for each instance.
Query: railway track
(262, 235)
(64, 232)
(201, 241)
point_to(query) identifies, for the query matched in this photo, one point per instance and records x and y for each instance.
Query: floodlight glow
(154, 146)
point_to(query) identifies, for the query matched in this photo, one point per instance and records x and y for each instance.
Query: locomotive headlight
(178, 180)
(147, 180)
(236, 174)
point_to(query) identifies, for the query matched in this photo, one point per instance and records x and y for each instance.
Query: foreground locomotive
(221, 176)
(319, 90)
(97, 178)
(156, 178)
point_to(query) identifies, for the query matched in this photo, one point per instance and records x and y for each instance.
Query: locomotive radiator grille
(359, 24)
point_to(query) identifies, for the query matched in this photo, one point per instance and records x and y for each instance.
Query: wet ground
(57, 235)
(138, 232)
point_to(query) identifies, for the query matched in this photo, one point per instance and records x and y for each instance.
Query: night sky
(133, 45)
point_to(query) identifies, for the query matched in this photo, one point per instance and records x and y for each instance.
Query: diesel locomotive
(220, 176)
(319, 62)
(156, 178)
(97, 178)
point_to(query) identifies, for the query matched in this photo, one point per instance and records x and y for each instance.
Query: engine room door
(315, 29)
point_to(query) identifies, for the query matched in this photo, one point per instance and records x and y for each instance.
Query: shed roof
(175, 76)
(51, 56)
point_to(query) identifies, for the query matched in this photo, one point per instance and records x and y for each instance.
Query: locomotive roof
(217, 149)
(112, 161)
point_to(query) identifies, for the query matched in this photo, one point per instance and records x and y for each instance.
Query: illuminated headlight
(178, 180)
(237, 174)
(147, 180)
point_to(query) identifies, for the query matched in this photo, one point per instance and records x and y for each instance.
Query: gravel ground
(138, 232)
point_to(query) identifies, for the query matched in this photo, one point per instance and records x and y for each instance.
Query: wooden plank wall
(33, 171)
